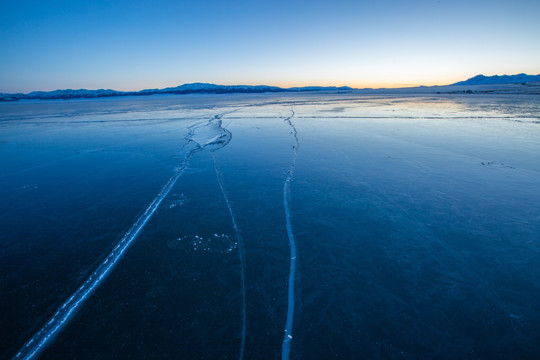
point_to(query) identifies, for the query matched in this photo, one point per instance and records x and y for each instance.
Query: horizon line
(378, 86)
(284, 87)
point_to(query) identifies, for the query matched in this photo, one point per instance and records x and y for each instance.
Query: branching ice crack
(212, 136)
(209, 135)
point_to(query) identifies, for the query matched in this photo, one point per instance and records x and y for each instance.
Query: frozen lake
(174, 226)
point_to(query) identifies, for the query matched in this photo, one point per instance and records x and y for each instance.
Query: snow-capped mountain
(218, 89)
(72, 94)
(502, 79)
(194, 88)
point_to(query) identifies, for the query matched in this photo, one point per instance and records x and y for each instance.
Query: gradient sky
(132, 45)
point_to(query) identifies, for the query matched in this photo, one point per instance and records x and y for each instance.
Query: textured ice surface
(415, 224)
(215, 243)
(209, 135)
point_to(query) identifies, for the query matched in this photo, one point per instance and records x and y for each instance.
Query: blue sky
(131, 45)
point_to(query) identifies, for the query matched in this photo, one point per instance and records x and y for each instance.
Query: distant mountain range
(499, 80)
(194, 88)
(204, 88)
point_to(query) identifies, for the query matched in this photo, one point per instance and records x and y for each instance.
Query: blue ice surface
(415, 223)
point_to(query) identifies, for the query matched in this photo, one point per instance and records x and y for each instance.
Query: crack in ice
(286, 348)
(241, 254)
(212, 136)
(62, 316)
(220, 137)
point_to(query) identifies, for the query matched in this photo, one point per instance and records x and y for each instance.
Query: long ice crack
(286, 347)
(61, 317)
